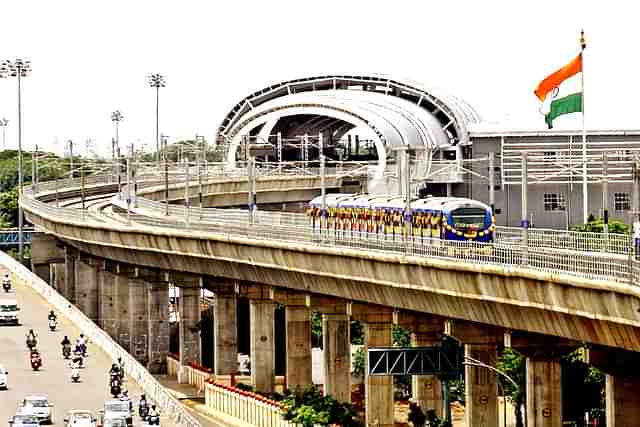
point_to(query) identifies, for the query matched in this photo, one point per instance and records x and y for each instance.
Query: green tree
(512, 364)
(9, 208)
(310, 408)
(597, 226)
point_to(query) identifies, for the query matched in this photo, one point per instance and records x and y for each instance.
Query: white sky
(90, 58)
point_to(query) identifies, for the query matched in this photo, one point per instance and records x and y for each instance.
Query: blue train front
(449, 218)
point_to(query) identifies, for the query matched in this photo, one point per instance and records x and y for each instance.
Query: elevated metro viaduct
(113, 267)
(119, 271)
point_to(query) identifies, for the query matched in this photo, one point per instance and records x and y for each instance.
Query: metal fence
(152, 388)
(587, 255)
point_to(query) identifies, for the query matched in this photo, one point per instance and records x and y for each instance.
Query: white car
(117, 409)
(37, 406)
(9, 312)
(22, 420)
(3, 378)
(80, 419)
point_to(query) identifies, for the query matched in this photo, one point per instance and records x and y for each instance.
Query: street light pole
(157, 81)
(116, 117)
(18, 68)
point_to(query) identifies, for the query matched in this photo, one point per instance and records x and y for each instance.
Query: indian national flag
(549, 88)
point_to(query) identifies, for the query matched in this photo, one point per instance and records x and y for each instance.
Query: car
(24, 420)
(114, 422)
(3, 378)
(9, 311)
(117, 409)
(38, 406)
(79, 418)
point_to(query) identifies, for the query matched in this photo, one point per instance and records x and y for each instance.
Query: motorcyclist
(154, 416)
(114, 371)
(31, 334)
(32, 338)
(65, 341)
(143, 407)
(52, 316)
(35, 358)
(75, 370)
(81, 345)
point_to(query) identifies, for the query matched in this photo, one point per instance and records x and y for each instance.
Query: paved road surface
(53, 380)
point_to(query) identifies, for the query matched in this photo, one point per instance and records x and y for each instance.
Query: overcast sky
(90, 58)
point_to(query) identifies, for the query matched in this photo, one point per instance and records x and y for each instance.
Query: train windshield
(468, 218)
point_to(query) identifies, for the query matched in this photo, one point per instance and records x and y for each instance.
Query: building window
(554, 202)
(622, 201)
(549, 156)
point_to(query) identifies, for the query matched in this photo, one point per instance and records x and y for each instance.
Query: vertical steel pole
(158, 126)
(524, 223)
(407, 186)
(113, 158)
(119, 166)
(251, 201)
(279, 147)
(399, 171)
(605, 192)
(20, 176)
(82, 191)
(187, 202)
(166, 179)
(57, 196)
(134, 175)
(200, 187)
(323, 193)
(492, 183)
(128, 188)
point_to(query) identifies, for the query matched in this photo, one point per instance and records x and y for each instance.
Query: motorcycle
(143, 410)
(75, 374)
(6, 285)
(81, 350)
(66, 351)
(53, 324)
(116, 387)
(36, 362)
(154, 420)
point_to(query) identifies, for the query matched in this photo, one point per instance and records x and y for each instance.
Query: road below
(53, 380)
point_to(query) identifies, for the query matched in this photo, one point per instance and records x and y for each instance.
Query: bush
(311, 408)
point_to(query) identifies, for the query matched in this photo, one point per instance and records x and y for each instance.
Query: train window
(622, 201)
(554, 202)
(465, 218)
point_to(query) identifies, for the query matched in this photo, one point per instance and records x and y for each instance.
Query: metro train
(448, 218)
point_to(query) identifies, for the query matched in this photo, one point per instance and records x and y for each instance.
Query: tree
(512, 364)
(310, 408)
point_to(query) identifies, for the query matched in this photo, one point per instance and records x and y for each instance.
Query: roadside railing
(153, 389)
(173, 365)
(549, 251)
(198, 376)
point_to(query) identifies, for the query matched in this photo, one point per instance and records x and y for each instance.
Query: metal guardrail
(152, 388)
(583, 255)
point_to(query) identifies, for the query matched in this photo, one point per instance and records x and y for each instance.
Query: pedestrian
(416, 416)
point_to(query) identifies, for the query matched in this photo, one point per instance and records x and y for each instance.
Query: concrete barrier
(240, 408)
(173, 365)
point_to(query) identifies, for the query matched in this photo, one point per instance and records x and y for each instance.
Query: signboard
(444, 361)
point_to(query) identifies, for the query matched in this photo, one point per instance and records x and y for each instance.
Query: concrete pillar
(42, 271)
(481, 387)
(336, 336)
(298, 333)
(139, 320)
(59, 278)
(69, 291)
(544, 391)
(262, 317)
(427, 389)
(622, 400)
(123, 323)
(158, 321)
(225, 337)
(87, 289)
(189, 331)
(379, 389)
(108, 312)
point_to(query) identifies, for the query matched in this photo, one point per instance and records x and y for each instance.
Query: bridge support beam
(298, 332)
(262, 318)
(189, 329)
(622, 369)
(43, 271)
(59, 277)
(109, 312)
(225, 321)
(336, 336)
(427, 389)
(138, 320)
(158, 321)
(45, 251)
(544, 391)
(123, 324)
(69, 291)
(378, 390)
(86, 289)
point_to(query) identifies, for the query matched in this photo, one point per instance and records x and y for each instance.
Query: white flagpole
(585, 188)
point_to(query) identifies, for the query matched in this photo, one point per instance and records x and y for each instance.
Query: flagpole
(585, 189)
